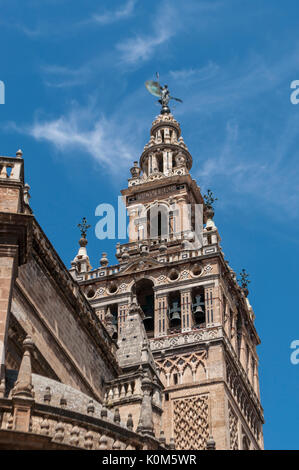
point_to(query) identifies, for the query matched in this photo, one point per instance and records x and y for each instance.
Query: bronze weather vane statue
(161, 92)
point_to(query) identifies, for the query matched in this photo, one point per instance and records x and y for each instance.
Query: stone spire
(81, 263)
(133, 344)
(135, 356)
(23, 387)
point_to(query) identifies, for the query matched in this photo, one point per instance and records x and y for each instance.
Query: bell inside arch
(148, 321)
(143, 289)
(198, 309)
(148, 313)
(175, 314)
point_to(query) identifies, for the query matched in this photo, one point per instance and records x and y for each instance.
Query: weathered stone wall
(9, 199)
(43, 312)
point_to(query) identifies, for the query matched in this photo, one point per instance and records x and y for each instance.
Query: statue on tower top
(161, 92)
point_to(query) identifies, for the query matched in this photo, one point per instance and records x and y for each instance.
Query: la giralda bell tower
(198, 319)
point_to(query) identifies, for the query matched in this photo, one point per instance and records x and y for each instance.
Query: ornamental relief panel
(233, 428)
(182, 369)
(191, 428)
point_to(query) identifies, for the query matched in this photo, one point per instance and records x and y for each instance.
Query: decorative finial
(162, 438)
(211, 444)
(26, 193)
(104, 412)
(130, 423)
(209, 199)
(19, 153)
(116, 417)
(23, 386)
(63, 402)
(47, 396)
(84, 226)
(162, 92)
(104, 261)
(244, 281)
(172, 443)
(90, 408)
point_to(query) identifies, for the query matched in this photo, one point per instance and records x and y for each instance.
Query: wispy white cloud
(215, 88)
(267, 171)
(43, 27)
(253, 153)
(170, 19)
(81, 130)
(113, 16)
(141, 47)
(61, 76)
(204, 73)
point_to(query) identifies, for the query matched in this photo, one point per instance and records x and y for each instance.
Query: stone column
(161, 317)
(186, 310)
(8, 272)
(209, 306)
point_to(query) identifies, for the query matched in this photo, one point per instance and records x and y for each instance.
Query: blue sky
(76, 105)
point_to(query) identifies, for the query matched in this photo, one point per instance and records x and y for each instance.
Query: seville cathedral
(155, 352)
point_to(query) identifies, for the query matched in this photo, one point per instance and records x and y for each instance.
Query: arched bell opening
(158, 222)
(144, 292)
(160, 163)
(174, 312)
(198, 307)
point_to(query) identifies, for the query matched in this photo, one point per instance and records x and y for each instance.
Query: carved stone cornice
(186, 338)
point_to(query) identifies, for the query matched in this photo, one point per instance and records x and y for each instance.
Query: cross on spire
(84, 226)
(210, 198)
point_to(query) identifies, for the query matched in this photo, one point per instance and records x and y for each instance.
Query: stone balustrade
(119, 390)
(133, 253)
(128, 389)
(70, 429)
